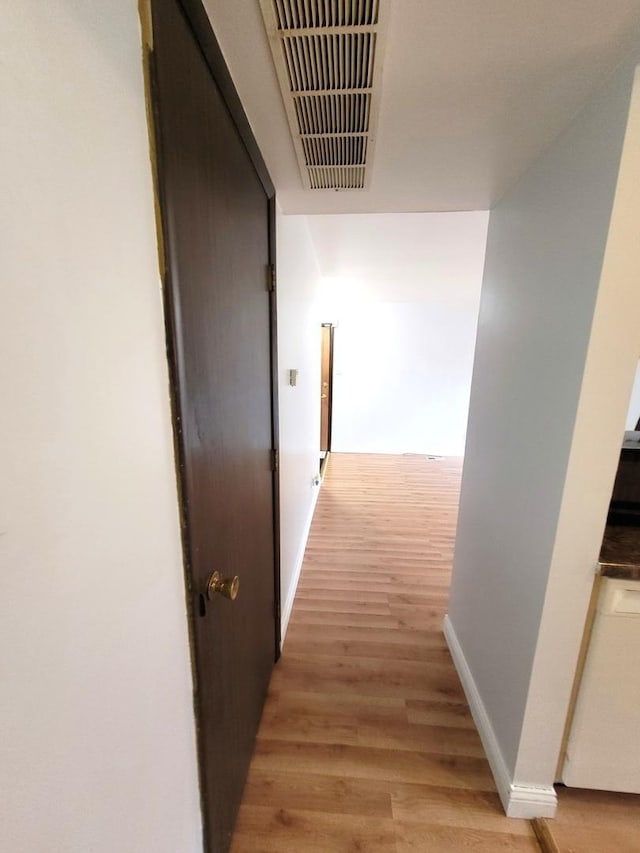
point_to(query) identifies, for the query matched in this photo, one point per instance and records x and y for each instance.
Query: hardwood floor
(366, 742)
(596, 822)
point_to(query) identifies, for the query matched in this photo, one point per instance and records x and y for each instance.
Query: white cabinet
(603, 750)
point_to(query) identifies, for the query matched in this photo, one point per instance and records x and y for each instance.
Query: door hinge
(275, 460)
(271, 278)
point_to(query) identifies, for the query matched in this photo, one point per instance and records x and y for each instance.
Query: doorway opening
(326, 392)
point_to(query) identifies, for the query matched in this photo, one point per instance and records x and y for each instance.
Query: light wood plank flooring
(366, 742)
(596, 822)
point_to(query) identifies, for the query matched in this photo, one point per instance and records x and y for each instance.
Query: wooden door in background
(216, 230)
(326, 388)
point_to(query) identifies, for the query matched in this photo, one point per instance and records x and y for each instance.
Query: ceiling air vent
(327, 55)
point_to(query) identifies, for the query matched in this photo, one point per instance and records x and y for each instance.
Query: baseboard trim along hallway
(518, 800)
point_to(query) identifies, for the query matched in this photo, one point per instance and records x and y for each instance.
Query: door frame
(332, 329)
(200, 25)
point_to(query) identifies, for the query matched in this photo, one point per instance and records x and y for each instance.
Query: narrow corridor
(366, 743)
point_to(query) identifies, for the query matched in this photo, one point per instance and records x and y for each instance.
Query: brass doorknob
(228, 587)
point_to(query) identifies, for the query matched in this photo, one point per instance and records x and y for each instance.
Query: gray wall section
(544, 257)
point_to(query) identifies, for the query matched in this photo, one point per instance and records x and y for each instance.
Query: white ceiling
(472, 91)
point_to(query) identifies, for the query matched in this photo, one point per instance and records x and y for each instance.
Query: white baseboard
(518, 800)
(288, 605)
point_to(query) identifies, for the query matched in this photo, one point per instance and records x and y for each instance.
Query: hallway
(366, 742)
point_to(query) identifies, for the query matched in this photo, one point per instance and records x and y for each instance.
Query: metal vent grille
(327, 178)
(341, 150)
(327, 55)
(300, 15)
(318, 114)
(317, 63)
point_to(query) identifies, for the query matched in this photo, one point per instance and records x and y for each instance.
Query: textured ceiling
(471, 93)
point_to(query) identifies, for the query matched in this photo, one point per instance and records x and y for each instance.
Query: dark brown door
(216, 231)
(326, 387)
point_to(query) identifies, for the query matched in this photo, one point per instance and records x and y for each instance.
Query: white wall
(633, 412)
(539, 467)
(299, 406)
(97, 730)
(404, 291)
